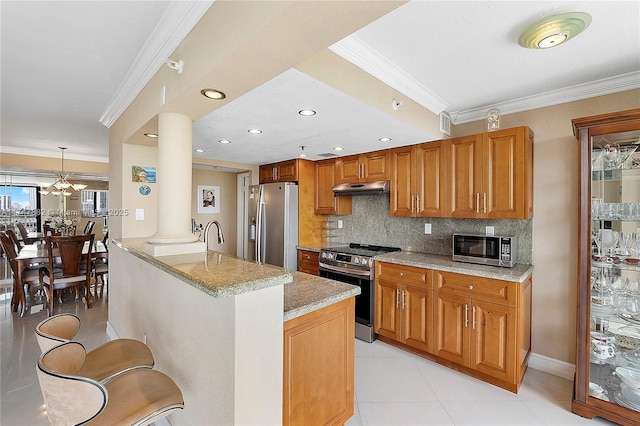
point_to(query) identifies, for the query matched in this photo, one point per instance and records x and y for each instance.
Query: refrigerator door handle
(259, 225)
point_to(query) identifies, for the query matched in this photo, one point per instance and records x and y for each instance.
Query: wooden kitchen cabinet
(367, 167)
(491, 175)
(418, 180)
(483, 325)
(284, 171)
(608, 177)
(318, 384)
(308, 261)
(325, 201)
(404, 305)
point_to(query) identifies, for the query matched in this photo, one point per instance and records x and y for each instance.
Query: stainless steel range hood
(378, 187)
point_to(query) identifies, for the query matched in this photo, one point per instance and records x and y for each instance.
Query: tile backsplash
(370, 223)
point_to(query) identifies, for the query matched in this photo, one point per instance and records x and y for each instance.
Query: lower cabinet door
(387, 309)
(451, 340)
(417, 323)
(494, 331)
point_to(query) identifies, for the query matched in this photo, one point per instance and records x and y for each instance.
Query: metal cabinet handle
(473, 318)
(401, 273)
(403, 299)
(412, 204)
(397, 297)
(466, 315)
(417, 203)
(485, 202)
(470, 287)
(477, 202)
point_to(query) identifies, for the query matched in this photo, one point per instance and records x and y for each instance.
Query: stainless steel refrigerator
(273, 224)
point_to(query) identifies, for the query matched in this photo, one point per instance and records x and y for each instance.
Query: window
(20, 204)
(94, 203)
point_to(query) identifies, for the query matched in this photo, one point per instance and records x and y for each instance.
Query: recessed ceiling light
(199, 150)
(338, 148)
(384, 139)
(213, 94)
(254, 131)
(554, 30)
(307, 112)
(224, 141)
(151, 135)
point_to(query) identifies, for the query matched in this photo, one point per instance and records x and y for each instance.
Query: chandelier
(62, 185)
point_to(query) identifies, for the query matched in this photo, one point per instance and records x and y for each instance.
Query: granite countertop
(308, 293)
(518, 273)
(320, 246)
(223, 275)
(214, 273)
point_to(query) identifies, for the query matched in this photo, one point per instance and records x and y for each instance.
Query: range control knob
(356, 260)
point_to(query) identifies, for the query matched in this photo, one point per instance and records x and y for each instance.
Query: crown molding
(177, 21)
(578, 92)
(354, 50)
(51, 154)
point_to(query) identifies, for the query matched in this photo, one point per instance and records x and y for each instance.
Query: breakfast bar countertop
(308, 293)
(212, 272)
(518, 273)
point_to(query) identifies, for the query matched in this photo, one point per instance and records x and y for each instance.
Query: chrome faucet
(206, 233)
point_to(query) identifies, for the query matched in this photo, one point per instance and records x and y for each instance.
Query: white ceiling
(63, 62)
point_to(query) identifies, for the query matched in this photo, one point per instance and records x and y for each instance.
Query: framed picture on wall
(208, 199)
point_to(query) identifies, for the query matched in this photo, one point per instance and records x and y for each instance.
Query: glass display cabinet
(607, 382)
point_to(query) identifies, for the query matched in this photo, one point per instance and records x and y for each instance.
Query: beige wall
(228, 208)
(555, 220)
(132, 199)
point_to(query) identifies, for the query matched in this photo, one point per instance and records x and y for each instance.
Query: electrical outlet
(427, 228)
(489, 230)
(340, 224)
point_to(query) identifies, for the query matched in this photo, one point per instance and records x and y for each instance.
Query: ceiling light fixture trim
(213, 94)
(224, 141)
(254, 131)
(151, 135)
(307, 112)
(554, 30)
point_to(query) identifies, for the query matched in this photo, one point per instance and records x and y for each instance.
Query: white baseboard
(552, 366)
(111, 332)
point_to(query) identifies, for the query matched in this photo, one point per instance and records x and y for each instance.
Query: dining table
(36, 254)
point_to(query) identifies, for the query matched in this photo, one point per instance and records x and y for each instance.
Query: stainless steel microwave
(485, 249)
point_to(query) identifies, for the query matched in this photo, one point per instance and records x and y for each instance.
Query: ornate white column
(174, 175)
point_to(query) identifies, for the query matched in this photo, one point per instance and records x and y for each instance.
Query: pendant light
(62, 185)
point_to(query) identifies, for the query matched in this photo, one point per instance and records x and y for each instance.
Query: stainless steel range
(353, 264)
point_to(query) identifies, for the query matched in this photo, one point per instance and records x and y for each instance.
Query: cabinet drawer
(308, 262)
(487, 289)
(420, 277)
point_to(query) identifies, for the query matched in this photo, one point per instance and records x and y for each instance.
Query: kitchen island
(216, 325)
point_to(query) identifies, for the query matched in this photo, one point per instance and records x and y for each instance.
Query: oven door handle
(344, 271)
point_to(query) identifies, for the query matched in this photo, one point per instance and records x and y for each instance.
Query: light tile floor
(393, 387)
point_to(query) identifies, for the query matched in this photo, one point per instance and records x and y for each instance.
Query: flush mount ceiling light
(554, 30)
(384, 139)
(224, 141)
(61, 185)
(151, 135)
(213, 94)
(302, 154)
(254, 131)
(338, 148)
(200, 150)
(307, 112)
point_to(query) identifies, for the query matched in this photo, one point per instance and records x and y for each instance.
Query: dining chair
(30, 276)
(88, 228)
(136, 397)
(14, 239)
(25, 234)
(103, 363)
(49, 230)
(72, 270)
(100, 271)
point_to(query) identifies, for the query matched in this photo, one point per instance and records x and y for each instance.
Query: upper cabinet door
(403, 177)
(506, 156)
(431, 179)
(375, 165)
(465, 176)
(348, 169)
(325, 201)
